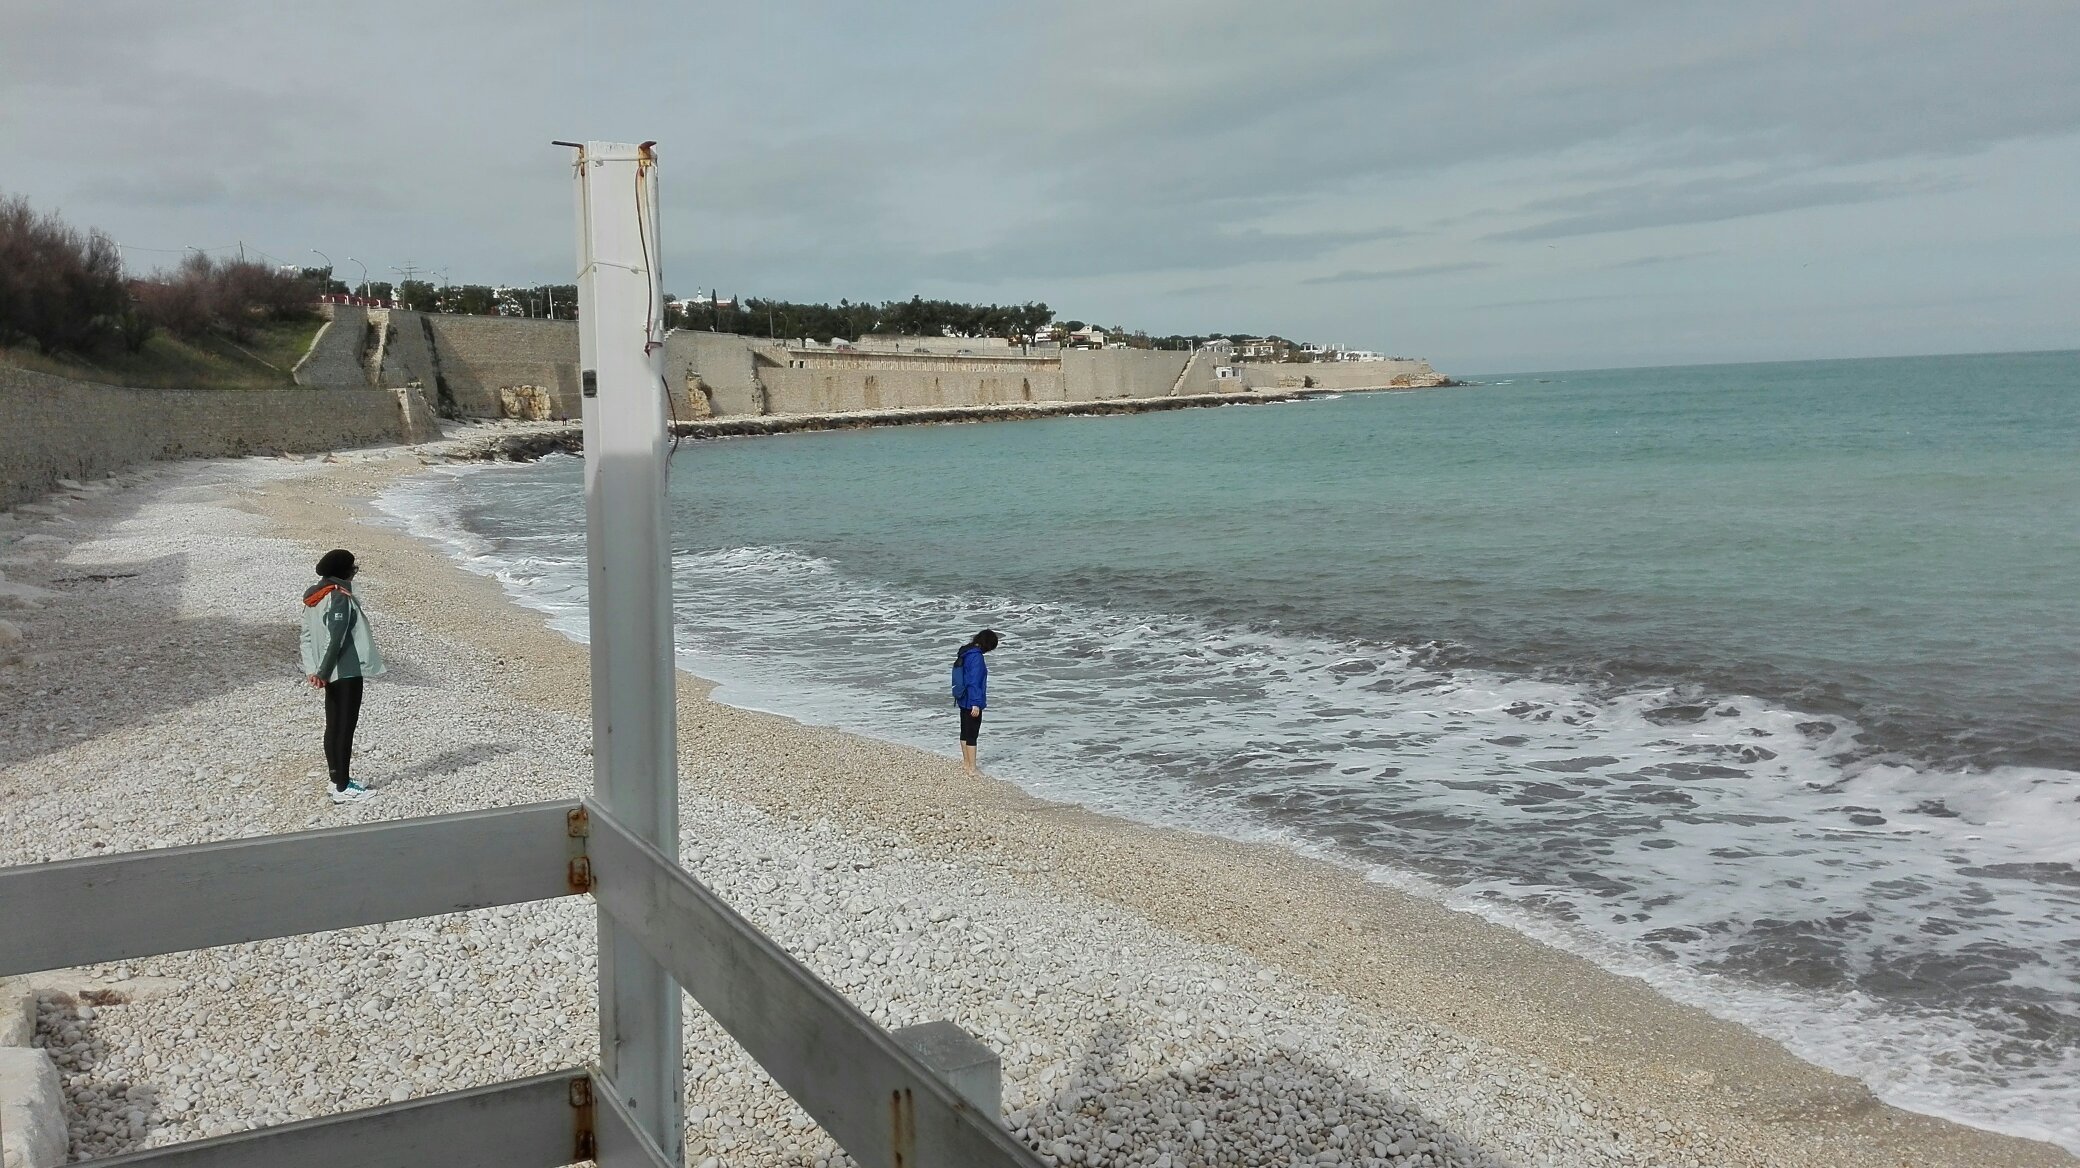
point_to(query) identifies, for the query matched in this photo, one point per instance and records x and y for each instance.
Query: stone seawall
(464, 362)
(1341, 375)
(820, 387)
(1102, 374)
(53, 428)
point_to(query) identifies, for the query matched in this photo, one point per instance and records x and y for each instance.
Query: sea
(1758, 682)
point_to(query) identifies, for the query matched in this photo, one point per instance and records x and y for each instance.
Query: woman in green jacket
(338, 653)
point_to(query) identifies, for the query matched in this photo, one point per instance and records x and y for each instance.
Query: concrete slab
(32, 1112)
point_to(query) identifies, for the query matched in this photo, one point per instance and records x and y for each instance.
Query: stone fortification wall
(824, 389)
(464, 362)
(53, 428)
(334, 359)
(939, 346)
(717, 374)
(1100, 374)
(1340, 375)
(476, 356)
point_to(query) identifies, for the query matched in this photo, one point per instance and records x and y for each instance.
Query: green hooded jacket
(336, 640)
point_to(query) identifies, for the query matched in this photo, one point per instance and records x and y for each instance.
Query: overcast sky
(1496, 187)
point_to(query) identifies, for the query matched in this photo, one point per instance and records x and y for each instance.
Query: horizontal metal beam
(137, 904)
(876, 1099)
(527, 1123)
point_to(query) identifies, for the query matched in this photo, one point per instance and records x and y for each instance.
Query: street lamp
(364, 275)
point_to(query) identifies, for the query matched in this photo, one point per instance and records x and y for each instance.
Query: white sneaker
(353, 792)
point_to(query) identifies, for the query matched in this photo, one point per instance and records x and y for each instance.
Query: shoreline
(1333, 946)
(1676, 1084)
(526, 441)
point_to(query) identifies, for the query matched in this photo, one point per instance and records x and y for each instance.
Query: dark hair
(984, 640)
(337, 563)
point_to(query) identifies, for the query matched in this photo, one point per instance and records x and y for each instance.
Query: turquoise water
(1760, 681)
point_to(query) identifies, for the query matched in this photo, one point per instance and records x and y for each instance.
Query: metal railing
(891, 1100)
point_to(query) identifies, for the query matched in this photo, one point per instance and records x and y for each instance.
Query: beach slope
(1158, 997)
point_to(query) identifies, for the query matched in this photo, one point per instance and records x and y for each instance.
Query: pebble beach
(1158, 998)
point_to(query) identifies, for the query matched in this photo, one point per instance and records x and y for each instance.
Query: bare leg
(968, 758)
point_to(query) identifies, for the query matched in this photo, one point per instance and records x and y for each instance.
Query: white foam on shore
(1755, 821)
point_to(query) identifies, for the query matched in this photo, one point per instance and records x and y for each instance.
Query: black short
(971, 725)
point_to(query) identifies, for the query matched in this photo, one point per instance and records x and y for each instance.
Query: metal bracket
(577, 826)
(584, 1141)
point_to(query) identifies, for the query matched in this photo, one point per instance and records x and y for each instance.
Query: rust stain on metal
(902, 1126)
(584, 1144)
(580, 874)
(577, 823)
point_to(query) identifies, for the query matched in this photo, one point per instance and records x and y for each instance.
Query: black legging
(342, 711)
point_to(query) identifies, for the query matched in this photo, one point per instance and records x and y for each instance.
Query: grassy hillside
(169, 362)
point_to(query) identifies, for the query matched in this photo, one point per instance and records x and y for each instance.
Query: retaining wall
(404, 354)
(476, 356)
(53, 428)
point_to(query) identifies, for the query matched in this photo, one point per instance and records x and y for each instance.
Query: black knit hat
(337, 563)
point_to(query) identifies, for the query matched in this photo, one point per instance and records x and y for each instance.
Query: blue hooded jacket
(971, 680)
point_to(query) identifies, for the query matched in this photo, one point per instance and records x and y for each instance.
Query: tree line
(65, 291)
(846, 320)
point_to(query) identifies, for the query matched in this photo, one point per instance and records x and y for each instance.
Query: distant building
(1087, 337)
(1264, 349)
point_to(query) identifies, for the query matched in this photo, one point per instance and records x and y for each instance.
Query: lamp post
(364, 275)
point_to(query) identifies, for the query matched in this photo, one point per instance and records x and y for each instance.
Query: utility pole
(635, 768)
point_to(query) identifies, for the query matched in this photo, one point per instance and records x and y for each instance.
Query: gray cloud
(1357, 277)
(1069, 248)
(1650, 261)
(1705, 200)
(1543, 301)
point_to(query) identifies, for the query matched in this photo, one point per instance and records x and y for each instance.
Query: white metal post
(634, 757)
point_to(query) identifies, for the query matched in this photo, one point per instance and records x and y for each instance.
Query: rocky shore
(1157, 998)
(526, 441)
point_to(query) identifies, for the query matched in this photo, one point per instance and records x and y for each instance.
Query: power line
(171, 250)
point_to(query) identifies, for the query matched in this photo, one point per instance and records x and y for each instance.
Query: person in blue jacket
(971, 691)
